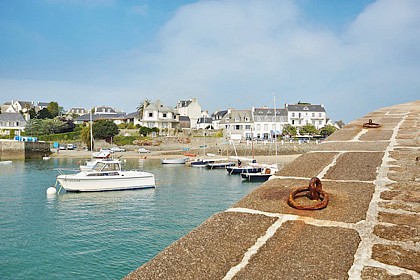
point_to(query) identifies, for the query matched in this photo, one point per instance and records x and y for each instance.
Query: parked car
(70, 147)
(143, 150)
(106, 150)
(117, 149)
(62, 147)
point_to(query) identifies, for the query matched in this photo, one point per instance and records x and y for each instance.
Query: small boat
(251, 167)
(106, 175)
(220, 165)
(174, 160)
(102, 154)
(262, 176)
(243, 169)
(4, 162)
(45, 157)
(199, 162)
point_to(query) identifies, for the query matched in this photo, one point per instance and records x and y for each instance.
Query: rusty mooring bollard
(314, 192)
(371, 124)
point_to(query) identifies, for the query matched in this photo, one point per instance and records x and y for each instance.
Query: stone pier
(10, 149)
(369, 230)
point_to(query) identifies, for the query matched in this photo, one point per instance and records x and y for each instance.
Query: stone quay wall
(370, 228)
(10, 149)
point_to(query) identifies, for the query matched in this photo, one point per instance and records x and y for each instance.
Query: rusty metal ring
(315, 192)
(320, 205)
(371, 124)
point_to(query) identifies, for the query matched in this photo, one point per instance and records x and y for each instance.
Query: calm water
(101, 235)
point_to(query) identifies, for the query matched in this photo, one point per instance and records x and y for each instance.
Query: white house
(217, 117)
(302, 114)
(266, 126)
(11, 122)
(189, 108)
(158, 115)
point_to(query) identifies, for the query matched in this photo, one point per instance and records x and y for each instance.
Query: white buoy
(51, 190)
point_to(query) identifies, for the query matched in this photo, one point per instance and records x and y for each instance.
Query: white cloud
(238, 52)
(235, 53)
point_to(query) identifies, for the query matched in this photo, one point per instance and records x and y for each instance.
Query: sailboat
(250, 166)
(203, 162)
(267, 170)
(95, 157)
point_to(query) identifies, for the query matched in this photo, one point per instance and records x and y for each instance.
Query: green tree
(308, 129)
(289, 129)
(53, 108)
(327, 130)
(142, 106)
(104, 129)
(44, 114)
(144, 130)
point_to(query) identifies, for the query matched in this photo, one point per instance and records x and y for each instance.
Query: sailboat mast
(91, 135)
(275, 125)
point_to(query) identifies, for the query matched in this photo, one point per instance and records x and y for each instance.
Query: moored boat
(182, 160)
(106, 175)
(262, 176)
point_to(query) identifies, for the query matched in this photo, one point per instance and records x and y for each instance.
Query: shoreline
(162, 155)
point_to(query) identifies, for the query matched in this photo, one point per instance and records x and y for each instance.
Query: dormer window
(237, 119)
(305, 108)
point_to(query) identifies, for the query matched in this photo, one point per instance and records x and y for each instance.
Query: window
(265, 127)
(150, 115)
(313, 115)
(237, 127)
(237, 119)
(293, 115)
(258, 127)
(164, 115)
(320, 114)
(247, 126)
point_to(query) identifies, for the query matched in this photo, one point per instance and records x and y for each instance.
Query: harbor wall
(10, 149)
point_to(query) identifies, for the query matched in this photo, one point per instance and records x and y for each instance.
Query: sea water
(101, 235)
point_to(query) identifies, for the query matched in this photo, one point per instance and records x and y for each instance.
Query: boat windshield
(101, 166)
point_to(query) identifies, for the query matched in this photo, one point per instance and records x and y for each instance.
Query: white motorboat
(182, 160)
(106, 175)
(4, 162)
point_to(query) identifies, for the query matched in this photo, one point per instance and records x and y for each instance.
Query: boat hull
(240, 170)
(113, 181)
(220, 165)
(255, 177)
(174, 160)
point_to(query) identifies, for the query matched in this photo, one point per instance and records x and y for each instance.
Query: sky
(353, 57)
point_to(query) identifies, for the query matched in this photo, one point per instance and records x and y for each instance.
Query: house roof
(104, 110)
(95, 117)
(269, 112)
(13, 117)
(307, 108)
(183, 103)
(219, 114)
(158, 106)
(237, 116)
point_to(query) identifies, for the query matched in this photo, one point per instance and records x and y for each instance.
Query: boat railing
(63, 171)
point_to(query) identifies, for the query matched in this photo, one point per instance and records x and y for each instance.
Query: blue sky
(352, 56)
